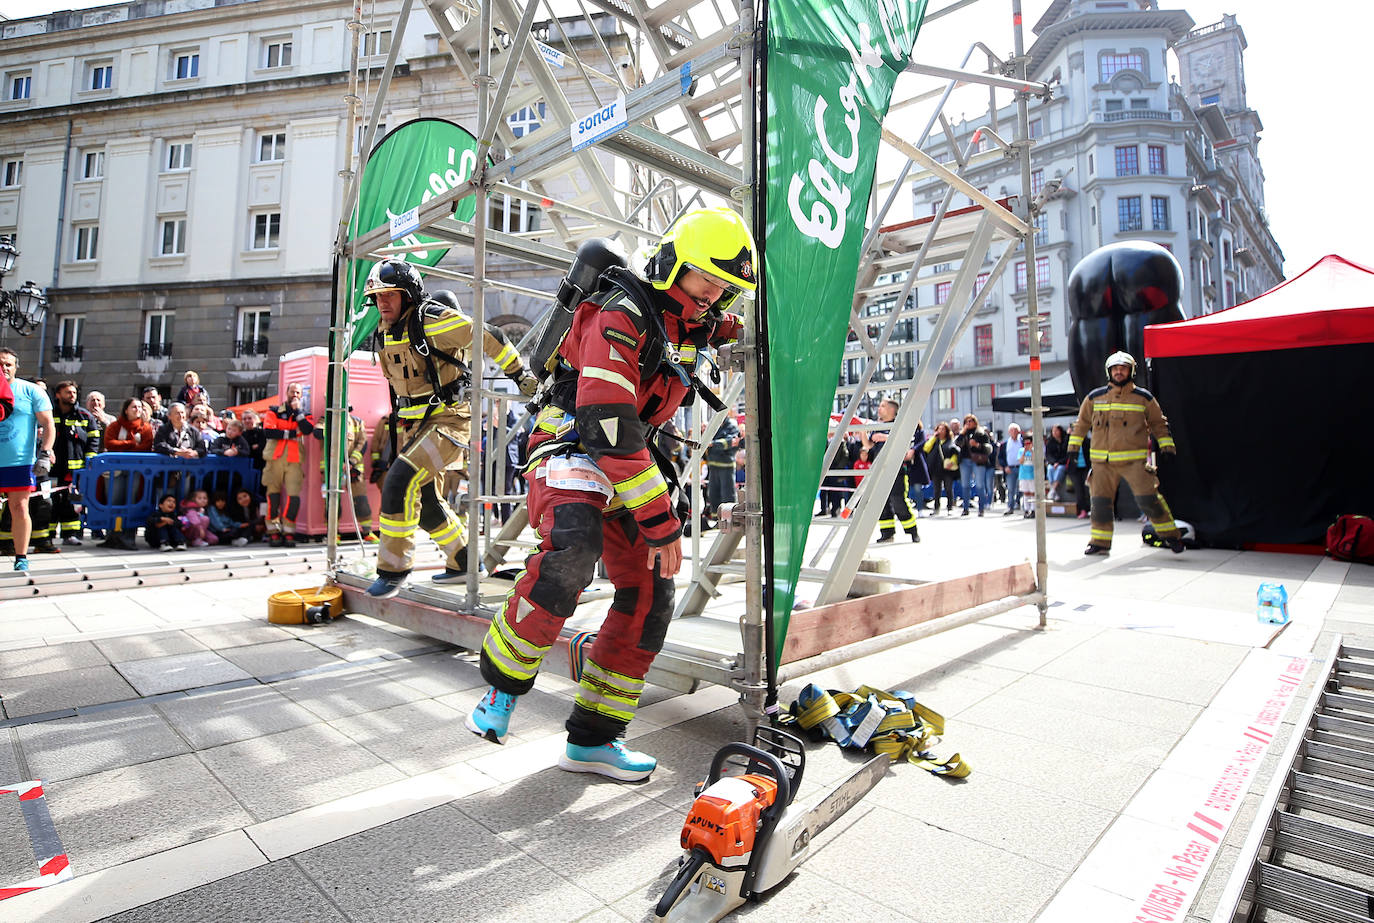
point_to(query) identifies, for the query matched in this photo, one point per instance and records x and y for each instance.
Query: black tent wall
(1272, 446)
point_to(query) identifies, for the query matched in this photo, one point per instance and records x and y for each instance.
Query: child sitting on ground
(163, 532)
(195, 523)
(244, 512)
(222, 523)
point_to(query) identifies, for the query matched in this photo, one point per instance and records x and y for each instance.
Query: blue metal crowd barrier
(119, 490)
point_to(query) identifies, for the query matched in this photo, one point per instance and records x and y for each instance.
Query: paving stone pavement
(199, 763)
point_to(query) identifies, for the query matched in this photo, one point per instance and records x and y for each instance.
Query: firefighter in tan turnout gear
(424, 354)
(1122, 418)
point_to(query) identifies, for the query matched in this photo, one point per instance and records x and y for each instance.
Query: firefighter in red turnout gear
(628, 363)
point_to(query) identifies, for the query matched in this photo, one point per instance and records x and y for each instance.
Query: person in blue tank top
(26, 439)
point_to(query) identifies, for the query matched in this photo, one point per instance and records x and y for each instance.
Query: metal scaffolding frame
(690, 121)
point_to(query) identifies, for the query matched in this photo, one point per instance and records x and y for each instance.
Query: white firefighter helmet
(1120, 357)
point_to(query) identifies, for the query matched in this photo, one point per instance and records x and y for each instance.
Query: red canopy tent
(1329, 304)
(1271, 404)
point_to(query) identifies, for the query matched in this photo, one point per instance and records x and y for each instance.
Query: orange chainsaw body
(725, 818)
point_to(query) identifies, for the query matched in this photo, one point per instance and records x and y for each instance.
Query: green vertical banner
(411, 165)
(829, 70)
(407, 168)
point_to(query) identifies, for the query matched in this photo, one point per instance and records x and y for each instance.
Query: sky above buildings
(1305, 78)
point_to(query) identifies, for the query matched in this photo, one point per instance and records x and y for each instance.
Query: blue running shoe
(457, 577)
(613, 760)
(386, 586)
(21, 565)
(491, 717)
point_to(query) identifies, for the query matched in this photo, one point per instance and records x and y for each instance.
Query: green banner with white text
(828, 76)
(407, 168)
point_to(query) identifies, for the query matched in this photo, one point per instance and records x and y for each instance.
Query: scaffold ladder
(1311, 856)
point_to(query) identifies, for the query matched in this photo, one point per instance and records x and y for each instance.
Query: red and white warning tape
(53, 865)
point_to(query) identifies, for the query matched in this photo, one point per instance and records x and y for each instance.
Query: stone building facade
(1138, 156)
(171, 171)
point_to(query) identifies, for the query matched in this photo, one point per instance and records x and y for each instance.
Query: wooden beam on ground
(814, 631)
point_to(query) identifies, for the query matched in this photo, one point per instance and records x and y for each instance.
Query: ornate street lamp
(24, 308)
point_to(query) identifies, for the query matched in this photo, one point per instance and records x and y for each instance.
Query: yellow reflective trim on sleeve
(614, 378)
(506, 356)
(643, 487)
(446, 324)
(1166, 442)
(1075, 442)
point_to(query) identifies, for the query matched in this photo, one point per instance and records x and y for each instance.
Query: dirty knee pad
(659, 615)
(567, 567)
(1102, 510)
(1149, 505)
(432, 515)
(394, 486)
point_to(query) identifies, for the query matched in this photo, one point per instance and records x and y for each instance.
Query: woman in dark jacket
(1056, 458)
(976, 455)
(916, 470)
(936, 450)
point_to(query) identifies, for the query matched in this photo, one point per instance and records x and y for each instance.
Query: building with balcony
(1135, 156)
(171, 171)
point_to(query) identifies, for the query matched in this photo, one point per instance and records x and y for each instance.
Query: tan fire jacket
(1121, 418)
(448, 331)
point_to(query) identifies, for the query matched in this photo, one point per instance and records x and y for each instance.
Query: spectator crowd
(189, 429)
(957, 462)
(960, 462)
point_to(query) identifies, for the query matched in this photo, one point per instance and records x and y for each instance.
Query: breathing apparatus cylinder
(594, 257)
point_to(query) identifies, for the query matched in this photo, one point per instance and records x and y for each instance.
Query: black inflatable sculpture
(1114, 292)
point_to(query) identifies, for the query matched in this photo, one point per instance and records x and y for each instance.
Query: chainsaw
(743, 834)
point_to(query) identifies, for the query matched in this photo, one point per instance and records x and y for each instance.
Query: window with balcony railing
(252, 347)
(66, 353)
(157, 335)
(155, 350)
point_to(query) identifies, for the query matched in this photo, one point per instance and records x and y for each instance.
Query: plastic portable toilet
(370, 399)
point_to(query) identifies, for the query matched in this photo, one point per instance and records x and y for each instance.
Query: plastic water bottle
(1271, 603)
